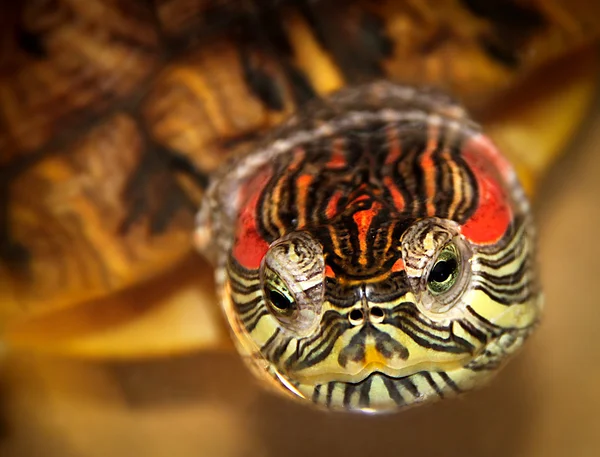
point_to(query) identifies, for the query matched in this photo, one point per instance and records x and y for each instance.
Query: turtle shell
(114, 113)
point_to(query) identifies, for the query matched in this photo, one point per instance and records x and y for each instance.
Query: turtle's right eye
(437, 261)
(445, 271)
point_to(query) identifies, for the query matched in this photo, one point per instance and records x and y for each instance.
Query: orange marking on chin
(374, 357)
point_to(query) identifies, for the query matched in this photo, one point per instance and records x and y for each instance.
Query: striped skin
(347, 208)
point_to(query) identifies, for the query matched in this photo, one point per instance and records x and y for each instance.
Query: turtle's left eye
(292, 276)
(445, 271)
(280, 300)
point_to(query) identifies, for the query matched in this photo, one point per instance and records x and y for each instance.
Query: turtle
(372, 244)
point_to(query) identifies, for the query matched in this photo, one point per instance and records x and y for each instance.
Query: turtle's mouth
(391, 370)
(378, 392)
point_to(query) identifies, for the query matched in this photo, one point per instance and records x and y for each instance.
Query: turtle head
(384, 264)
(421, 313)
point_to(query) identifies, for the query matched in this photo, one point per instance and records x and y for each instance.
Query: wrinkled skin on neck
(375, 253)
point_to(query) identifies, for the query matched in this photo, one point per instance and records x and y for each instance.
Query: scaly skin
(376, 252)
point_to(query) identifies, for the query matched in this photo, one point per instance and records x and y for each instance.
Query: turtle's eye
(437, 261)
(448, 276)
(279, 299)
(292, 276)
(445, 271)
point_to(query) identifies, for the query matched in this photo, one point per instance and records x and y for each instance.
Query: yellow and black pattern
(380, 253)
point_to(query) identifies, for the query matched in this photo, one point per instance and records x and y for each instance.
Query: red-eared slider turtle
(373, 248)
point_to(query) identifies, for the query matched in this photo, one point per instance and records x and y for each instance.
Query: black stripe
(326, 341)
(410, 386)
(248, 307)
(507, 258)
(330, 387)
(427, 376)
(473, 331)
(468, 206)
(449, 381)
(275, 355)
(316, 393)
(265, 347)
(349, 389)
(491, 326)
(510, 279)
(509, 297)
(251, 325)
(390, 385)
(364, 400)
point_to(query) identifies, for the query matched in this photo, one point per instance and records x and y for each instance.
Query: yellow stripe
(520, 315)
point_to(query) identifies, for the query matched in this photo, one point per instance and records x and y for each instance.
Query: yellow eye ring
(445, 271)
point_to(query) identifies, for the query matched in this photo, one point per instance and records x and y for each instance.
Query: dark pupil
(279, 301)
(442, 270)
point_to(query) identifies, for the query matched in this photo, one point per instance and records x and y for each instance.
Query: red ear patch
(249, 247)
(494, 212)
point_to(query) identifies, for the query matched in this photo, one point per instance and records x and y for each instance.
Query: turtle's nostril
(376, 314)
(356, 317)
